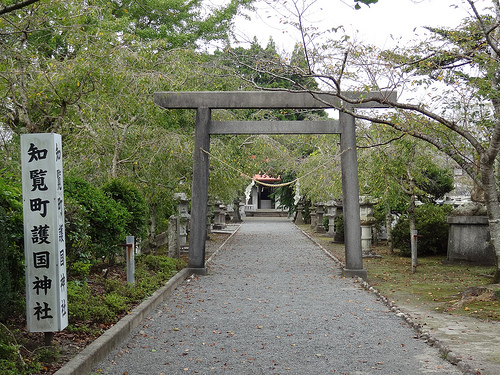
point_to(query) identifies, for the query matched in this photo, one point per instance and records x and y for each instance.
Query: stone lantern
(219, 216)
(331, 214)
(320, 228)
(366, 204)
(183, 210)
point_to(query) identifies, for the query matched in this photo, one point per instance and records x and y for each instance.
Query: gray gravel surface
(273, 303)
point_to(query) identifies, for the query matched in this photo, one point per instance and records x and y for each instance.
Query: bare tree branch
(17, 6)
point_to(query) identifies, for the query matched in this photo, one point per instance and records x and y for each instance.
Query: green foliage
(339, 228)
(11, 362)
(47, 354)
(116, 302)
(264, 67)
(435, 181)
(286, 194)
(326, 223)
(430, 221)
(107, 218)
(159, 263)
(79, 269)
(367, 2)
(129, 197)
(78, 239)
(11, 248)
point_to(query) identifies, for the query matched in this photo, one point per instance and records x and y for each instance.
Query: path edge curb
(93, 354)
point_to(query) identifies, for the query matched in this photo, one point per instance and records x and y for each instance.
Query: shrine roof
(266, 178)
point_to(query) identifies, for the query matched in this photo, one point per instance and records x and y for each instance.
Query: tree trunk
(388, 227)
(493, 208)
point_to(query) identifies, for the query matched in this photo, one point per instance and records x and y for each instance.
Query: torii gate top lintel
(268, 99)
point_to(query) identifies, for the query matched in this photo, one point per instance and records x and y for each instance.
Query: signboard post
(44, 241)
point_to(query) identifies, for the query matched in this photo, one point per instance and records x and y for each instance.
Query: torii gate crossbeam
(205, 101)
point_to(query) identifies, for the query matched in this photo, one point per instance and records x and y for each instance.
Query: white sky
(378, 24)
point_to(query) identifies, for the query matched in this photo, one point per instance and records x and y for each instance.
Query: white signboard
(44, 242)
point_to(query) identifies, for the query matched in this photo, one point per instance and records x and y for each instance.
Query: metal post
(130, 255)
(199, 196)
(350, 191)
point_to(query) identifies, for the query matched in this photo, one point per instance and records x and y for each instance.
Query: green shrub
(339, 228)
(79, 269)
(129, 197)
(117, 303)
(430, 222)
(326, 223)
(103, 314)
(77, 226)
(47, 354)
(158, 262)
(83, 306)
(107, 218)
(79, 301)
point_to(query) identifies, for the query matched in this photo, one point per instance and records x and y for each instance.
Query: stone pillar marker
(204, 102)
(44, 233)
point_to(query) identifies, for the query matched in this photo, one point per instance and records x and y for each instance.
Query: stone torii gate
(205, 101)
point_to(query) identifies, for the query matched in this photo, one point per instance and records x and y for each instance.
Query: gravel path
(273, 303)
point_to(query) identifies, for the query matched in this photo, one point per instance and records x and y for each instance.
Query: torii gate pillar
(199, 192)
(204, 102)
(350, 195)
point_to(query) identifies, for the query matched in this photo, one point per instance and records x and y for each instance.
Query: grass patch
(436, 285)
